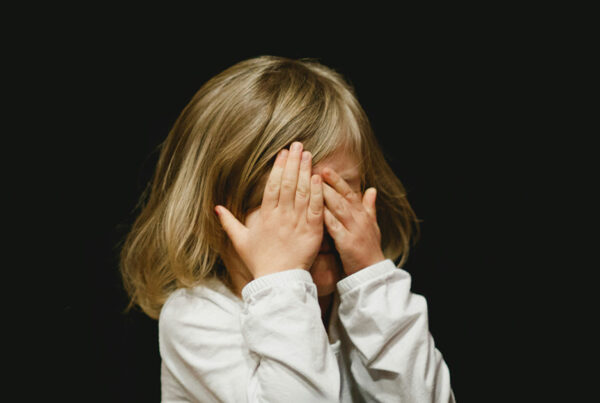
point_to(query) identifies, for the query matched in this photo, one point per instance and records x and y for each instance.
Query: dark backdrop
(453, 114)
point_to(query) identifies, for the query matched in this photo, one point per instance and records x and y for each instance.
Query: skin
(351, 238)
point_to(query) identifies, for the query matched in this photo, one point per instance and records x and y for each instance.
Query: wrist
(363, 263)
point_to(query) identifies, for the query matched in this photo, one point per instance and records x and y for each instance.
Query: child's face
(327, 269)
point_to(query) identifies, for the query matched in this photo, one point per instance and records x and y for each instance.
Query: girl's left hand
(352, 223)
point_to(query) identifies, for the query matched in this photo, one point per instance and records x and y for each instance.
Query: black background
(457, 113)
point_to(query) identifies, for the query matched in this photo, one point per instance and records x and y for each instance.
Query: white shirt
(271, 345)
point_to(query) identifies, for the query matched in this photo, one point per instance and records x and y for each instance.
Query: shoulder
(207, 307)
(201, 344)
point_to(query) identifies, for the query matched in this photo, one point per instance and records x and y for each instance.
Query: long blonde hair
(220, 151)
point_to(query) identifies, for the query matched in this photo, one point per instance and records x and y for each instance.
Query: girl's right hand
(288, 231)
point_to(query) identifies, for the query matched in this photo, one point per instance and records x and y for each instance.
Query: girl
(290, 292)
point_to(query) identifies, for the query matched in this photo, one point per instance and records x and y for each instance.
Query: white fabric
(271, 345)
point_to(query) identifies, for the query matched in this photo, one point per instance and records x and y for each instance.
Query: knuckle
(266, 214)
(287, 185)
(316, 212)
(302, 192)
(272, 187)
(285, 218)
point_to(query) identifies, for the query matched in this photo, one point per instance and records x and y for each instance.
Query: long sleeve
(269, 346)
(282, 327)
(393, 356)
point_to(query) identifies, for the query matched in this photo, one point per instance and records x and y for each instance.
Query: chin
(326, 271)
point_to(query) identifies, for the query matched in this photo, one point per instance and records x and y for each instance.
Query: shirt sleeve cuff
(282, 278)
(364, 275)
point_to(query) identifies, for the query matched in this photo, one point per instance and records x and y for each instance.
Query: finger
(303, 189)
(271, 192)
(334, 227)
(337, 205)
(316, 206)
(368, 201)
(234, 229)
(290, 177)
(340, 185)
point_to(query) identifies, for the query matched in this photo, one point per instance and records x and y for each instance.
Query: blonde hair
(221, 150)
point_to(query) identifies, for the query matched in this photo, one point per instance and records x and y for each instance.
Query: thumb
(230, 224)
(369, 201)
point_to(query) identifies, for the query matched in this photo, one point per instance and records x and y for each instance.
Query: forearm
(281, 324)
(394, 355)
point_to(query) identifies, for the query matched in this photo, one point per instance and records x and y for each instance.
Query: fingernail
(305, 156)
(216, 210)
(296, 146)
